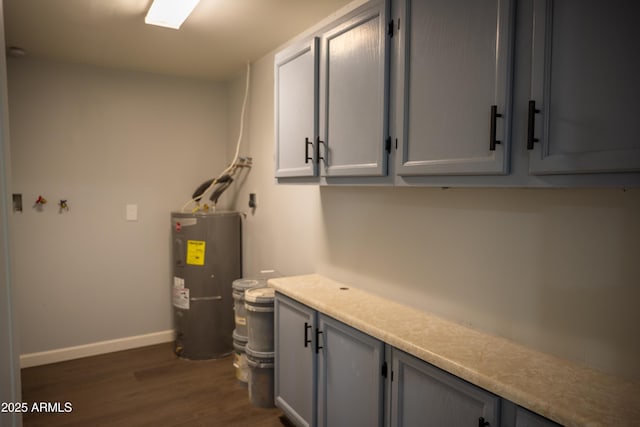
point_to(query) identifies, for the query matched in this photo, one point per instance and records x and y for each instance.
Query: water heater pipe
(233, 165)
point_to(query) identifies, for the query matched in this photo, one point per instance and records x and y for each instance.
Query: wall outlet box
(17, 202)
(132, 212)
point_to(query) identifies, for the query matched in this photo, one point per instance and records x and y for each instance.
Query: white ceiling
(215, 42)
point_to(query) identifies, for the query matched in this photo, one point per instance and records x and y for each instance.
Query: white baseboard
(93, 349)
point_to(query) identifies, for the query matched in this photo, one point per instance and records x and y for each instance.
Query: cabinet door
(423, 395)
(512, 415)
(584, 86)
(296, 110)
(354, 82)
(453, 86)
(350, 380)
(525, 418)
(295, 360)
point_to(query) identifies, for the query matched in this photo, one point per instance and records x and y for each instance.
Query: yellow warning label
(195, 252)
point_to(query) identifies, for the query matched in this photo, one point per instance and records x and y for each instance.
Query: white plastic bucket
(261, 385)
(240, 357)
(259, 306)
(239, 286)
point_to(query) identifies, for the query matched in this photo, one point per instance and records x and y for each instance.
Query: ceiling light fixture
(169, 13)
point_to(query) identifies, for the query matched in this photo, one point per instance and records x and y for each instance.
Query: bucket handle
(211, 298)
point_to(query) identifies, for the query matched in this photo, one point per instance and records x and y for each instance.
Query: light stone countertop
(561, 390)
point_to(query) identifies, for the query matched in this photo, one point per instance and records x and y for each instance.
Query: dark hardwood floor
(147, 386)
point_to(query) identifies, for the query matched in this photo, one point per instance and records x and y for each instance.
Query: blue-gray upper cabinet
(423, 395)
(350, 377)
(296, 109)
(453, 86)
(584, 109)
(353, 94)
(295, 360)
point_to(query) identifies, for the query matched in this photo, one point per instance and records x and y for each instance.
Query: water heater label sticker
(178, 282)
(181, 297)
(195, 252)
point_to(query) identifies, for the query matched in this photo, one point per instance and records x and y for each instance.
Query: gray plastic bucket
(239, 286)
(240, 357)
(260, 378)
(259, 306)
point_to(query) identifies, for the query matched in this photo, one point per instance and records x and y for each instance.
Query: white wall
(283, 231)
(556, 270)
(103, 139)
(10, 384)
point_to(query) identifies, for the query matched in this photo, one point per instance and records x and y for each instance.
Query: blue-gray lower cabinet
(350, 376)
(326, 373)
(525, 418)
(295, 360)
(513, 415)
(423, 395)
(329, 374)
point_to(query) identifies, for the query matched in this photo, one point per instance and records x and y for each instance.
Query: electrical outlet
(132, 212)
(17, 202)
